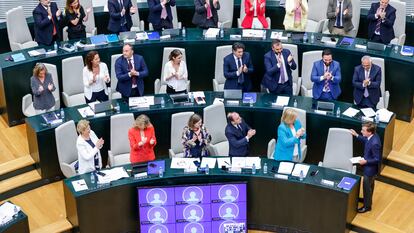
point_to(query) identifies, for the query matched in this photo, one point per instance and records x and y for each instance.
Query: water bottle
(191, 97)
(160, 172)
(301, 175)
(265, 168)
(305, 37)
(93, 178)
(55, 46)
(264, 34)
(183, 32)
(221, 32)
(295, 103)
(62, 114)
(395, 48)
(377, 118)
(251, 102)
(117, 108)
(254, 169)
(207, 170)
(338, 112)
(312, 38)
(162, 103)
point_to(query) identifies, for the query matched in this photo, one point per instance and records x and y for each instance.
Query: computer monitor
(325, 106)
(233, 94)
(208, 208)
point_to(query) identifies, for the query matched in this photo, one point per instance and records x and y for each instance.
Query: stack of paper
(184, 163)
(278, 35)
(141, 102)
(355, 160)
(199, 97)
(252, 33)
(282, 101)
(300, 167)
(212, 32)
(238, 162)
(79, 185)
(7, 211)
(141, 36)
(112, 174)
(225, 161)
(253, 160)
(86, 112)
(368, 112)
(211, 162)
(285, 168)
(37, 52)
(384, 115)
(350, 112)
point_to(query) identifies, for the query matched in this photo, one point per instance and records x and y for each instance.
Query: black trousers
(368, 189)
(171, 90)
(100, 96)
(134, 93)
(283, 89)
(164, 24)
(367, 103)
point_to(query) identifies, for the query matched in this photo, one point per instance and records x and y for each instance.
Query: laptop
(325, 106)
(179, 98)
(102, 107)
(375, 46)
(154, 167)
(233, 94)
(127, 35)
(171, 32)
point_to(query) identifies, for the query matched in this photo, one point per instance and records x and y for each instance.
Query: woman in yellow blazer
(296, 15)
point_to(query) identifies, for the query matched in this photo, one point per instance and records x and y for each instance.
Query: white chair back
(316, 15)
(120, 124)
(18, 30)
(337, 155)
(27, 105)
(136, 21)
(356, 14)
(53, 71)
(221, 52)
(400, 20)
(225, 14)
(178, 122)
(175, 22)
(308, 58)
(271, 148)
(66, 136)
(215, 122)
(114, 80)
(72, 75)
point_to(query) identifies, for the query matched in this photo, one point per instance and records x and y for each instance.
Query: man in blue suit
(279, 64)
(326, 76)
(46, 18)
(238, 134)
(237, 68)
(367, 83)
(130, 71)
(371, 161)
(381, 17)
(120, 12)
(160, 13)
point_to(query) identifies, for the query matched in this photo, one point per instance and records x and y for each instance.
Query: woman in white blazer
(296, 16)
(95, 78)
(175, 73)
(88, 146)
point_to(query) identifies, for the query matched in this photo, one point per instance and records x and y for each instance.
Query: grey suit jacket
(346, 19)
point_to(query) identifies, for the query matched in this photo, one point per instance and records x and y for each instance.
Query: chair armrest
(225, 24)
(239, 22)
(151, 28)
(299, 86)
(386, 99)
(14, 46)
(212, 150)
(66, 100)
(67, 170)
(401, 39)
(215, 85)
(303, 90)
(188, 85)
(171, 153)
(354, 168)
(141, 25)
(65, 33)
(111, 159)
(180, 25)
(320, 164)
(269, 22)
(320, 25)
(157, 86)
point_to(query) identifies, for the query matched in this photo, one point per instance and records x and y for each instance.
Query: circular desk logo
(157, 215)
(158, 229)
(156, 197)
(229, 211)
(228, 193)
(192, 195)
(193, 213)
(194, 228)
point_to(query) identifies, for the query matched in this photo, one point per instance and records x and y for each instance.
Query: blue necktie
(241, 78)
(338, 17)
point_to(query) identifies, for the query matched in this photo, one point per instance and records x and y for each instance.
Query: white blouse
(99, 85)
(295, 150)
(178, 84)
(86, 154)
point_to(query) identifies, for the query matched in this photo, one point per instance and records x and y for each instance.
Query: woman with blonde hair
(88, 146)
(142, 140)
(42, 87)
(195, 138)
(289, 134)
(296, 15)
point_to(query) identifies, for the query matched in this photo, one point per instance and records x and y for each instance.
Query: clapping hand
(346, 11)
(49, 11)
(194, 137)
(251, 133)
(362, 162)
(152, 141)
(290, 58)
(107, 79)
(245, 69)
(123, 11)
(382, 15)
(133, 10)
(365, 83)
(50, 86)
(40, 89)
(89, 10)
(58, 13)
(215, 2)
(100, 143)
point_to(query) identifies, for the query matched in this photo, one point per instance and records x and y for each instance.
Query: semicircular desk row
(287, 205)
(200, 52)
(261, 116)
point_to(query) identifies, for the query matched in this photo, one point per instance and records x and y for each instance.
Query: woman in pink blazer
(255, 14)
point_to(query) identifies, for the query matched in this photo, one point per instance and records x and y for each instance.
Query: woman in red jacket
(255, 14)
(142, 140)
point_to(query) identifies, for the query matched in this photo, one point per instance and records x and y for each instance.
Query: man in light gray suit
(340, 16)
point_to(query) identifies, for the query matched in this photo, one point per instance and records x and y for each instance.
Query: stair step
(19, 180)
(372, 225)
(401, 158)
(399, 175)
(59, 226)
(16, 164)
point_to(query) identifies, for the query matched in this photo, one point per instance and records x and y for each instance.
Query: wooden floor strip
(402, 158)
(398, 174)
(16, 164)
(19, 180)
(59, 226)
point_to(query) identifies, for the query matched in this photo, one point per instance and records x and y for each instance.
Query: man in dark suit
(279, 64)
(238, 134)
(340, 16)
(371, 161)
(160, 13)
(205, 15)
(46, 18)
(367, 83)
(130, 71)
(237, 68)
(120, 12)
(326, 76)
(381, 18)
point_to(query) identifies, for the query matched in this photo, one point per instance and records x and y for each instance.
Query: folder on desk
(346, 183)
(249, 97)
(153, 36)
(98, 39)
(111, 38)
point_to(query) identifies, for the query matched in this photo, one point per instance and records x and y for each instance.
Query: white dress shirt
(99, 85)
(180, 84)
(86, 154)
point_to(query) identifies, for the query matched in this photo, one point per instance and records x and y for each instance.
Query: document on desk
(7, 211)
(300, 167)
(238, 162)
(282, 101)
(112, 174)
(211, 162)
(285, 168)
(384, 115)
(252, 33)
(183, 163)
(141, 102)
(368, 112)
(212, 32)
(223, 162)
(253, 160)
(218, 100)
(86, 112)
(79, 185)
(350, 112)
(355, 160)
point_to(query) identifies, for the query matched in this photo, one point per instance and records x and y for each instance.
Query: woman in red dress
(255, 14)
(142, 140)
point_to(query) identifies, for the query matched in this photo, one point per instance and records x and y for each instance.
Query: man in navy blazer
(130, 71)
(371, 161)
(279, 64)
(46, 17)
(238, 134)
(381, 17)
(237, 68)
(120, 12)
(326, 76)
(367, 83)
(160, 13)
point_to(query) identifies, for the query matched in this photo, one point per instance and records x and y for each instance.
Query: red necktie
(53, 22)
(134, 79)
(209, 14)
